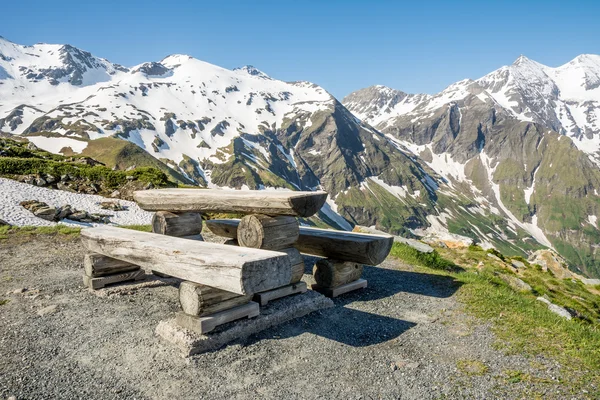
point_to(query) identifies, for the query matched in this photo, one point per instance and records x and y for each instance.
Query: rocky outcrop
(55, 214)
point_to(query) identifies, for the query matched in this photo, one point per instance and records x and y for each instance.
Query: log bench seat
(297, 204)
(369, 249)
(240, 270)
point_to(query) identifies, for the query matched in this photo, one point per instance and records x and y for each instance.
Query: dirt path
(403, 337)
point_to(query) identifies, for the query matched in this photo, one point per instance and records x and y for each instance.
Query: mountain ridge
(438, 165)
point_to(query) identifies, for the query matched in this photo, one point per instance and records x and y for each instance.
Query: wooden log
(223, 227)
(300, 204)
(270, 233)
(197, 299)
(234, 269)
(208, 323)
(101, 281)
(96, 265)
(340, 290)
(363, 248)
(179, 225)
(333, 273)
(297, 262)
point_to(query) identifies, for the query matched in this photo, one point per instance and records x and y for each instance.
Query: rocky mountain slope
(217, 127)
(526, 138)
(407, 164)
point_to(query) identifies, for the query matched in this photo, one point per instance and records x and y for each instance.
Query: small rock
(65, 187)
(4, 223)
(47, 310)
(585, 281)
(517, 284)
(130, 177)
(50, 179)
(115, 194)
(19, 291)
(31, 146)
(64, 212)
(556, 309)
(64, 178)
(149, 186)
(517, 264)
(47, 213)
(79, 216)
(494, 257)
(111, 205)
(40, 181)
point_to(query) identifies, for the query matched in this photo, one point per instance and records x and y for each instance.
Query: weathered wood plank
(264, 232)
(179, 225)
(263, 298)
(96, 265)
(234, 269)
(340, 290)
(199, 300)
(300, 204)
(100, 282)
(332, 273)
(208, 323)
(363, 248)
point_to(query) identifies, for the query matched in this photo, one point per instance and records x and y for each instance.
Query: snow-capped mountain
(482, 158)
(218, 127)
(524, 137)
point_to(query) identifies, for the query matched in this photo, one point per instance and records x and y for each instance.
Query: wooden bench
(233, 269)
(362, 248)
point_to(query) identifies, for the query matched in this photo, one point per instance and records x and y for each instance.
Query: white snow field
(12, 193)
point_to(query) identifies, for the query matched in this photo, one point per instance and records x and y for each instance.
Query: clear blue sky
(416, 46)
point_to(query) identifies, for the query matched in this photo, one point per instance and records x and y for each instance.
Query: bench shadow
(385, 282)
(358, 328)
(344, 325)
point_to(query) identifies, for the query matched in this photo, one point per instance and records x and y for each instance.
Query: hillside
(124, 155)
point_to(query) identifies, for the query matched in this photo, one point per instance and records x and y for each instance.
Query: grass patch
(432, 260)
(472, 367)
(111, 179)
(4, 301)
(64, 230)
(525, 325)
(521, 323)
(141, 228)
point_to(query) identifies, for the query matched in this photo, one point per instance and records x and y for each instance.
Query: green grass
(141, 228)
(4, 301)
(123, 154)
(430, 260)
(472, 367)
(63, 230)
(98, 174)
(521, 323)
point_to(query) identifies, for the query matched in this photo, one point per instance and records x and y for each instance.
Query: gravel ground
(14, 192)
(405, 337)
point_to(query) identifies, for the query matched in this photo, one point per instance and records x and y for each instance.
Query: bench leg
(208, 323)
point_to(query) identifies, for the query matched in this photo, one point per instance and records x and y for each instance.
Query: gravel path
(12, 193)
(405, 337)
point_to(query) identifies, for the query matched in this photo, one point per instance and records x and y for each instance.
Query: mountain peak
(524, 61)
(174, 60)
(251, 70)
